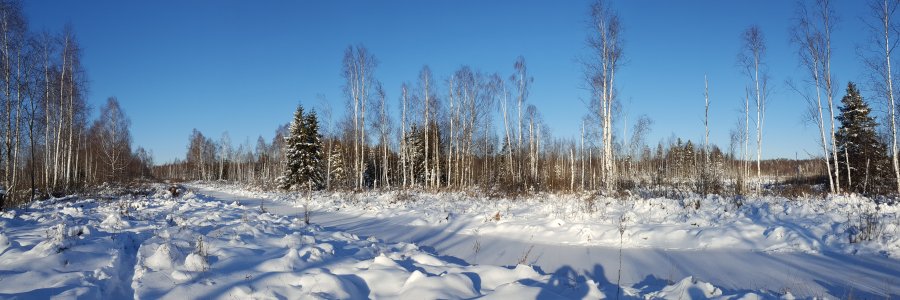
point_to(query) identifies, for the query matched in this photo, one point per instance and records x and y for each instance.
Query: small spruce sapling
(203, 252)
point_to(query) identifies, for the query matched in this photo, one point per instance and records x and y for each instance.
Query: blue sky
(242, 66)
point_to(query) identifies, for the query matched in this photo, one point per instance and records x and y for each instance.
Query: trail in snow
(801, 274)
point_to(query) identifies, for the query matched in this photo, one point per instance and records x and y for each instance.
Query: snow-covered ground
(769, 224)
(211, 244)
(773, 244)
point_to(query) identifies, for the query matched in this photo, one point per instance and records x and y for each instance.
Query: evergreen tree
(303, 163)
(689, 155)
(314, 168)
(338, 171)
(415, 143)
(859, 149)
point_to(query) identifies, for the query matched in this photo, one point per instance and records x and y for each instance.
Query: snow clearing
(224, 242)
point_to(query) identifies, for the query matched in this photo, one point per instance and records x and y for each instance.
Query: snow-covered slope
(191, 247)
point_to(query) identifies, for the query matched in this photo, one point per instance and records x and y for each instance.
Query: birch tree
(381, 123)
(812, 35)
(404, 151)
(115, 139)
(605, 42)
(425, 87)
(751, 59)
(358, 72)
(12, 37)
(499, 85)
(884, 40)
(522, 81)
(706, 118)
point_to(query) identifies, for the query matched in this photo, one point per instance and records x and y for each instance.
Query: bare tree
(812, 34)
(381, 123)
(31, 84)
(358, 71)
(454, 116)
(884, 40)
(751, 59)
(508, 134)
(706, 118)
(521, 80)
(431, 160)
(606, 43)
(404, 155)
(115, 139)
(12, 38)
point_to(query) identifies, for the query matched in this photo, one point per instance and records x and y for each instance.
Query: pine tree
(303, 163)
(859, 146)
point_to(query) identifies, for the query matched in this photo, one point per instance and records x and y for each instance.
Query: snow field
(773, 224)
(160, 247)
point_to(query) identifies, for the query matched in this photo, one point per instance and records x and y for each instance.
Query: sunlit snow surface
(438, 246)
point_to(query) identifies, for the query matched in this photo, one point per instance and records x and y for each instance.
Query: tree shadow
(447, 258)
(476, 280)
(651, 282)
(55, 292)
(360, 284)
(564, 283)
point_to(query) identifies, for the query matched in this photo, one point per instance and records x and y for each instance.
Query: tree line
(472, 129)
(49, 145)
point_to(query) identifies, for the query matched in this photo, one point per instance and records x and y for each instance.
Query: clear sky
(242, 66)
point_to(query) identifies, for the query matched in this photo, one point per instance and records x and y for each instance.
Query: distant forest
(469, 130)
(475, 130)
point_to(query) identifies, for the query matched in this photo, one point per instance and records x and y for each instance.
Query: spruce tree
(302, 167)
(859, 149)
(338, 171)
(313, 168)
(416, 151)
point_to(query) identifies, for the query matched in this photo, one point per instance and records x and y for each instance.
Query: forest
(474, 130)
(471, 130)
(52, 144)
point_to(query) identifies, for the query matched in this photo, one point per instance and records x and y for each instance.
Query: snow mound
(296, 239)
(75, 212)
(196, 263)
(425, 259)
(165, 257)
(322, 284)
(59, 239)
(114, 221)
(688, 288)
(445, 286)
